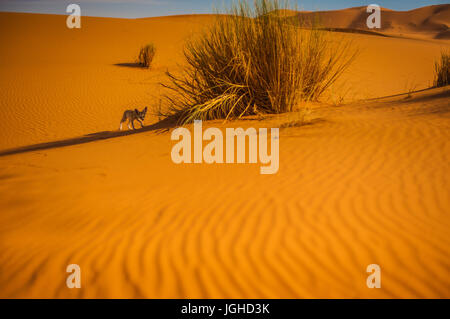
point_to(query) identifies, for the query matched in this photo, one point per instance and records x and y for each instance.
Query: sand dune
(60, 83)
(363, 183)
(431, 21)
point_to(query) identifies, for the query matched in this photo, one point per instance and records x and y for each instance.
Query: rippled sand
(362, 183)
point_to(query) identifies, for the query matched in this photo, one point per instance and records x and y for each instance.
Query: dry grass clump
(442, 70)
(146, 55)
(253, 61)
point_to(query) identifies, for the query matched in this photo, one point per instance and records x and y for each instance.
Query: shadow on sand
(443, 94)
(160, 127)
(166, 124)
(432, 95)
(130, 65)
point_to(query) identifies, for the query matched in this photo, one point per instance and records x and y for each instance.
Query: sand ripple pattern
(368, 184)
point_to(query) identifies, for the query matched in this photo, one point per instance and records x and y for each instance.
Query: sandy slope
(59, 83)
(430, 21)
(364, 183)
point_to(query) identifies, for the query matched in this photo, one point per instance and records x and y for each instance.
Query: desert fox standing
(133, 116)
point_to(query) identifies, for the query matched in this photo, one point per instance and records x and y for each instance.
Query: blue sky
(151, 8)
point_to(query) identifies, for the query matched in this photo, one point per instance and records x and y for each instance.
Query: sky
(152, 8)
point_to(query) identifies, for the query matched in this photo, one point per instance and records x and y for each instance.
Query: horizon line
(210, 13)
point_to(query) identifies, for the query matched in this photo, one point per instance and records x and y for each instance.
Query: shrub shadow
(130, 65)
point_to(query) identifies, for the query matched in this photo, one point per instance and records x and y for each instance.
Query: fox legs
(124, 118)
(131, 124)
(120, 127)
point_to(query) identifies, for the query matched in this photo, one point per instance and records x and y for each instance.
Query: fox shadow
(159, 127)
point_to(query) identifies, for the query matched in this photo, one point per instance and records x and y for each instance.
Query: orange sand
(364, 183)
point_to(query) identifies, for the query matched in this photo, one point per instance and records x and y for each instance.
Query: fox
(133, 115)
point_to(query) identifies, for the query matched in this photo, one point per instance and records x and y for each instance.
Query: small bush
(146, 55)
(255, 59)
(442, 70)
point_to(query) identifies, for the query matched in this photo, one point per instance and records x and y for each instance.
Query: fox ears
(143, 111)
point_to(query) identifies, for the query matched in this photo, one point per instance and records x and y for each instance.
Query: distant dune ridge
(362, 182)
(432, 21)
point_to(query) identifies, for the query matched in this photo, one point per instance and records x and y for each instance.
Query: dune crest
(427, 22)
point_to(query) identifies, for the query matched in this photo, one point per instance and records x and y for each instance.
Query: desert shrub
(442, 70)
(252, 61)
(146, 55)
